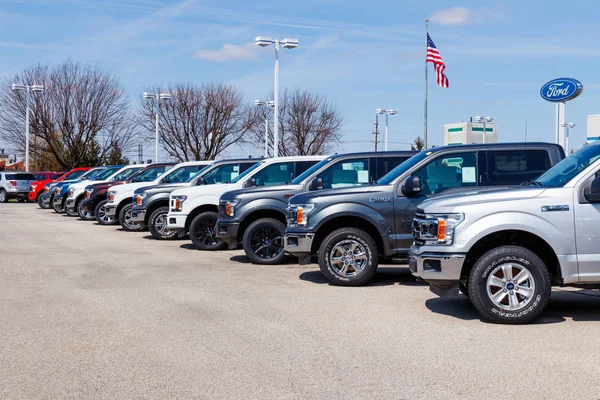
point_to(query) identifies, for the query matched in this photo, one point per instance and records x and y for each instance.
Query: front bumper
(70, 203)
(176, 221)
(227, 231)
(110, 210)
(299, 245)
(32, 196)
(88, 205)
(46, 199)
(441, 270)
(57, 201)
(138, 214)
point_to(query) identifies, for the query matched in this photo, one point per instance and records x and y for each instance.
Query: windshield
(150, 173)
(105, 174)
(181, 174)
(569, 168)
(91, 174)
(203, 170)
(246, 172)
(223, 173)
(306, 174)
(76, 174)
(402, 168)
(123, 175)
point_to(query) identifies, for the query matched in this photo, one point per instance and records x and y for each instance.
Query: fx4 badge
(555, 208)
(380, 199)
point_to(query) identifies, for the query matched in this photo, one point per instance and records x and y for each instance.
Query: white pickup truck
(76, 190)
(195, 209)
(120, 198)
(504, 249)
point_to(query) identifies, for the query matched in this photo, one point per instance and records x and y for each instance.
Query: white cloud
(452, 16)
(229, 52)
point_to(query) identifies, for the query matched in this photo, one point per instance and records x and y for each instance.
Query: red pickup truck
(43, 178)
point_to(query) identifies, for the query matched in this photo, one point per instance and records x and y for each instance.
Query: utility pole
(376, 133)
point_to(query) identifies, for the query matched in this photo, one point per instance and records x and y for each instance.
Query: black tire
(3, 196)
(100, 214)
(125, 220)
(263, 241)
(485, 283)
(344, 239)
(41, 203)
(157, 224)
(202, 232)
(23, 200)
(86, 217)
(60, 210)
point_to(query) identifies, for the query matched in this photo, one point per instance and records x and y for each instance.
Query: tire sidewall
(152, 221)
(136, 228)
(82, 213)
(246, 241)
(4, 199)
(97, 213)
(368, 270)
(220, 245)
(478, 286)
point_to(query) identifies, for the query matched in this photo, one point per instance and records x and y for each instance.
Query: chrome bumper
(299, 245)
(441, 270)
(70, 203)
(110, 211)
(138, 215)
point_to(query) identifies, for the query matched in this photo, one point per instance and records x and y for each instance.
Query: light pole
(484, 120)
(261, 103)
(28, 89)
(568, 125)
(387, 112)
(288, 43)
(158, 97)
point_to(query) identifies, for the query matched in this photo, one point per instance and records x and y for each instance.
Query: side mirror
(251, 183)
(592, 193)
(200, 182)
(316, 184)
(412, 186)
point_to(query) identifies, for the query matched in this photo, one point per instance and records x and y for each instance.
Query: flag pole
(425, 113)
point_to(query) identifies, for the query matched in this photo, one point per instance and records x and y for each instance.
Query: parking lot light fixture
(287, 43)
(261, 103)
(158, 97)
(387, 113)
(28, 89)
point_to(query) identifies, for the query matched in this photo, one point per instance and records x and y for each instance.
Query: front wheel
(202, 232)
(509, 285)
(126, 222)
(100, 214)
(72, 212)
(157, 224)
(348, 257)
(58, 208)
(83, 214)
(41, 203)
(263, 241)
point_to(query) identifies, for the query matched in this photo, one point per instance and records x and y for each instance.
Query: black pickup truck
(351, 229)
(256, 216)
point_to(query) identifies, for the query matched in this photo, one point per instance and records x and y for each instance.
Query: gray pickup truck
(256, 216)
(351, 229)
(505, 249)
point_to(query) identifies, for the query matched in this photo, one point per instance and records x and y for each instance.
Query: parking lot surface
(89, 311)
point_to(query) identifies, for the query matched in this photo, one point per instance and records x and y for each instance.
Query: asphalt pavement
(89, 311)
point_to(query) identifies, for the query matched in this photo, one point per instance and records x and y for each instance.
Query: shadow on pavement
(245, 260)
(384, 276)
(579, 305)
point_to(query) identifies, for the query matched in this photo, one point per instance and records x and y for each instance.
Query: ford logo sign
(561, 89)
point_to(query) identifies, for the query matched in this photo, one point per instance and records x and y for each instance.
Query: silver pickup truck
(504, 249)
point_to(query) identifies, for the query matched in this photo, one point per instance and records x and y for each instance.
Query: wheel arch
(255, 215)
(346, 221)
(197, 211)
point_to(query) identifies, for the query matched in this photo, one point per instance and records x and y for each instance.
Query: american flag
(433, 56)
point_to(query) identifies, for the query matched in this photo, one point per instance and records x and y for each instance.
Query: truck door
(447, 173)
(587, 239)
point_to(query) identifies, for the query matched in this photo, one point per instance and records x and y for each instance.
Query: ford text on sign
(561, 89)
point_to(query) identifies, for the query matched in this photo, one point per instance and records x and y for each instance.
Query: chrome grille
(291, 215)
(423, 229)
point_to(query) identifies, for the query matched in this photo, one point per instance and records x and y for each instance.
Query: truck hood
(103, 185)
(485, 198)
(310, 197)
(260, 191)
(166, 188)
(129, 187)
(195, 191)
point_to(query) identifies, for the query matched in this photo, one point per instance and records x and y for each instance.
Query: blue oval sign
(561, 89)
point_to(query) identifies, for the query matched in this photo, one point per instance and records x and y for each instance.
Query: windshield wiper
(532, 183)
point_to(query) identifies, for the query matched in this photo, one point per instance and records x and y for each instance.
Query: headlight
(32, 188)
(298, 214)
(228, 207)
(111, 197)
(88, 193)
(57, 191)
(138, 198)
(436, 228)
(71, 191)
(177, 202)
(47, 189)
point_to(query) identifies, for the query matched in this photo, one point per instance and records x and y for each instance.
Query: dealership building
(470, 132)
(593, 128)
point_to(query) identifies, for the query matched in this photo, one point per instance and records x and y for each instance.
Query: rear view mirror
(200, 182)
(316, 184)
(412, 186)
(592, 193)
(251, 183)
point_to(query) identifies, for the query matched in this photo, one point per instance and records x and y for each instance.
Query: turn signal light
(139, 200)
(111, 197)
(441, 229)
(228, 210)
(299, 215)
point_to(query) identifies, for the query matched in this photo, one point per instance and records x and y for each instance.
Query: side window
(449, 171)
(245, 166)
(346, 173)
(386, 164)
(302, 166)
(275, 174)
(512, 167)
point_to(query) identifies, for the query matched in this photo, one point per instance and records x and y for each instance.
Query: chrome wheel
(86, 215)
(160, 224)
(127, 221)
(266, 242)
(510, 286)
(348, 257)
(102, 214)
(2, 196)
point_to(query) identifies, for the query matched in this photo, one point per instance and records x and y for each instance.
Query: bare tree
(418, 144)
(199, 122)
(309, 124)
(82, 113)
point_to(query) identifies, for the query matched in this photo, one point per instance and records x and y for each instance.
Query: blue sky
(362, 55)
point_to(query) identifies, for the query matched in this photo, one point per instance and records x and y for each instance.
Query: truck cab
(351, 229)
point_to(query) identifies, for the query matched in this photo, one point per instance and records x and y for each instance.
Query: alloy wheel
(510, 286)
(266, 242)
(348, 257)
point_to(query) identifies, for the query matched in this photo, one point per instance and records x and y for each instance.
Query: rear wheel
(100, 214)
(263, 241)
(126, 222)
(202, 232)
(3, 196)
(157, 224)
(348, 257)
(83, 214)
